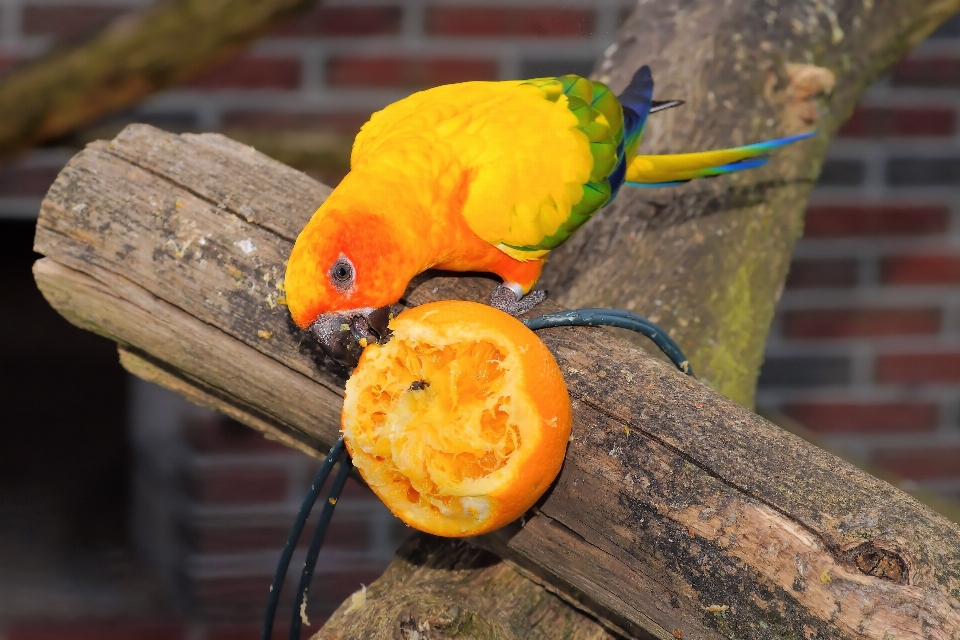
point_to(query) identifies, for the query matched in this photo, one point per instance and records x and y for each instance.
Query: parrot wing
(533, 156)
(600, 117)
(614, 126)
(670, 170)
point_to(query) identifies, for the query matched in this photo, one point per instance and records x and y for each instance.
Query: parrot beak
(344, 335)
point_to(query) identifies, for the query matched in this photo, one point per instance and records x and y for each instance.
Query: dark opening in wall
(64, 458)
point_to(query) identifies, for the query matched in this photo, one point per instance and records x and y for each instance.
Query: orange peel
(460, 422)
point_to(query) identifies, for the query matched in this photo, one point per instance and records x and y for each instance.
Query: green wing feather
(600, 117)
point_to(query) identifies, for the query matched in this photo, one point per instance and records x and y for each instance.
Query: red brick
(239, 485)
(509, 21)
(7, 62)
(18, 181)
(344, 21)
(227, 436)
(927, 71)
(96, 630)
(849, 323)
(353, 489)
(842, 173)
(922, 464)
(852, 417)
(411, 73)
(63, 22)
(333, 588)
(251, 631)
(251, 73)
(920, 269)
(345, 123)
(236, 539)
(919, 368)
(235, 597)
(342, 534)
(244, 597)
(872, 122)
(828, 274)
(836, 221)
(804, 371)
(919, 171)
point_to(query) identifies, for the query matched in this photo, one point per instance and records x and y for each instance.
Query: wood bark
(677, 510)
(708, 260)
(444, 589)
(140, 53)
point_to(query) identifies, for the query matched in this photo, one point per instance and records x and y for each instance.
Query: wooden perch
(678, 513)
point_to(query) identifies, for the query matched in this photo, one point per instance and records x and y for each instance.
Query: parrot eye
(342, 272)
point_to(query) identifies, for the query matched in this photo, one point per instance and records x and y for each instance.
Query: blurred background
(127, 513)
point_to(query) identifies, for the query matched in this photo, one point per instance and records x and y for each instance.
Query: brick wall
(865, 349)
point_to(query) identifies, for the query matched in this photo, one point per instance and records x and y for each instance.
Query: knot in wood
(874, 560)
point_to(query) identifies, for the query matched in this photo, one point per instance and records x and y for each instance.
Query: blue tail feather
(769, 145)
(740, 165)
(655, 185)
(636, 101)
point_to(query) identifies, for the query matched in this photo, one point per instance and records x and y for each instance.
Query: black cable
(614, 318)
(321, 531)
(287, 554)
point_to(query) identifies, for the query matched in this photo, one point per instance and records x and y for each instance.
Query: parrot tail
(637, 103)
(671, 170)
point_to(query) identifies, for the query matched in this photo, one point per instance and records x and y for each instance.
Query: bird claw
(508, 301)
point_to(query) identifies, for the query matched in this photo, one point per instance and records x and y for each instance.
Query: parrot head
(346, 268)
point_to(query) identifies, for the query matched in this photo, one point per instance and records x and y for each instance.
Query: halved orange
(460, 422)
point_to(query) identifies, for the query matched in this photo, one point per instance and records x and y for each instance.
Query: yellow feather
(527, 157)
(681, 166)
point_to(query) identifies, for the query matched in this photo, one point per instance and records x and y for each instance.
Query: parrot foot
(509, 298)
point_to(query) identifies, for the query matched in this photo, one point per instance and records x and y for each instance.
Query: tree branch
(140, 53)
(676, 509)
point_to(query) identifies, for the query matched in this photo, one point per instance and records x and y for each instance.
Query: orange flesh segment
(443, 427)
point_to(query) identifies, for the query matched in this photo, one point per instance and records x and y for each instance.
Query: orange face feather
(381, 266)
(390, 231)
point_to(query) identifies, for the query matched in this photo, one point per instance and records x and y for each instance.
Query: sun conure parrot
(477, 176)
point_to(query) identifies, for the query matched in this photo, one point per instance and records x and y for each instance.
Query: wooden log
(677, 511)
